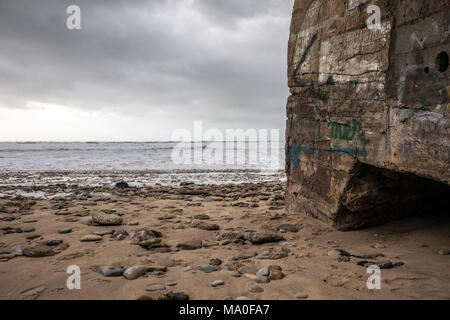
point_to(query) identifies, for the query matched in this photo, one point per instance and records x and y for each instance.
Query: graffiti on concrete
(294, 151)
(351, 130)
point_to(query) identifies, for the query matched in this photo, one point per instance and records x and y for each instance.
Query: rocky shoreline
(204, 242)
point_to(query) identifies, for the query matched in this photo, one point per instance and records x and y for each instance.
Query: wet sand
(159, 223)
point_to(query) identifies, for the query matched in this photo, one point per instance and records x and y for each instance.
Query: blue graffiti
(430, 82)
(294, 151)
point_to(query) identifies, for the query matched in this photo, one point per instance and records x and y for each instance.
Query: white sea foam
(104, 163)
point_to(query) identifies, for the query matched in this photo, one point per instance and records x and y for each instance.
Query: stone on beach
(217, 283)
(91, 238)
(111, 271)
(190, 245)
(133, 273)
(38, 250)
(207, 226)
(156, 287)
(258, 279)
(255, 289)
(262, 237)
(106, 219)
(288, 227)
(64, 230)
(276, 274)
(263, 272)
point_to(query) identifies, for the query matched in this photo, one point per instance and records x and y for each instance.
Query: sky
(138, 70)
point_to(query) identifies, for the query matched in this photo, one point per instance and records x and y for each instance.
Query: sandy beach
(206, 242)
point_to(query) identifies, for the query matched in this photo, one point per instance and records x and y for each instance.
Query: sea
(140, 163)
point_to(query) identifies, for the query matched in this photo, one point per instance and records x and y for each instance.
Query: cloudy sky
(138, 70)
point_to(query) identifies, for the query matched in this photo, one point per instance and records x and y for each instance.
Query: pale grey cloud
(163, 63)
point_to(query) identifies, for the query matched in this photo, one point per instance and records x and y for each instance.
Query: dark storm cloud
(220, 61)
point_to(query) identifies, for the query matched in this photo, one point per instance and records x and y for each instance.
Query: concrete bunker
(368, 128)
(376, 195)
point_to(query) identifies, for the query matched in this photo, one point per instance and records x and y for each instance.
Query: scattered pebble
(255, 289)
(65, 230)
(156, 287)
(91, 238)
(208, 269)
(111, 271)
(263, 272)
(133, 273)
(217, 283)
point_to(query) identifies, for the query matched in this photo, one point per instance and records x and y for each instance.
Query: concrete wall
(365, 96)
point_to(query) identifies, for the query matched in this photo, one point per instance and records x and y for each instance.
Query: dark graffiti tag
(349, 131)
(294, 151)
(305, 53)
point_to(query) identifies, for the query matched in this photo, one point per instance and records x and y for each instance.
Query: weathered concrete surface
(363, 100)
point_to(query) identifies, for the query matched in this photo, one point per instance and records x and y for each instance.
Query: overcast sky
(138, 70)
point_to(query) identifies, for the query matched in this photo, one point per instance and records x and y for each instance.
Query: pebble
(187, 269)
(263, 237)
(65, 230)
(215, 262)
(288, 227)
(263, 272)
(111, 271)
(133, 273)
(217, 283)
(276, 274)
(257, 279)
(235, 274)
(180, 296)
(248, 269)
(444, 252)
(208, 269)
(255, 289)
(156, 268)
(228, 298)
(190, 245)
(208, 226)
(167, 263)
(156, 287)
(106, 219)
(302, 296)
(242, 298)
(37, 251)
(91, 238)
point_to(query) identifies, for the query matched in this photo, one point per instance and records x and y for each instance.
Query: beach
(204, 241)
